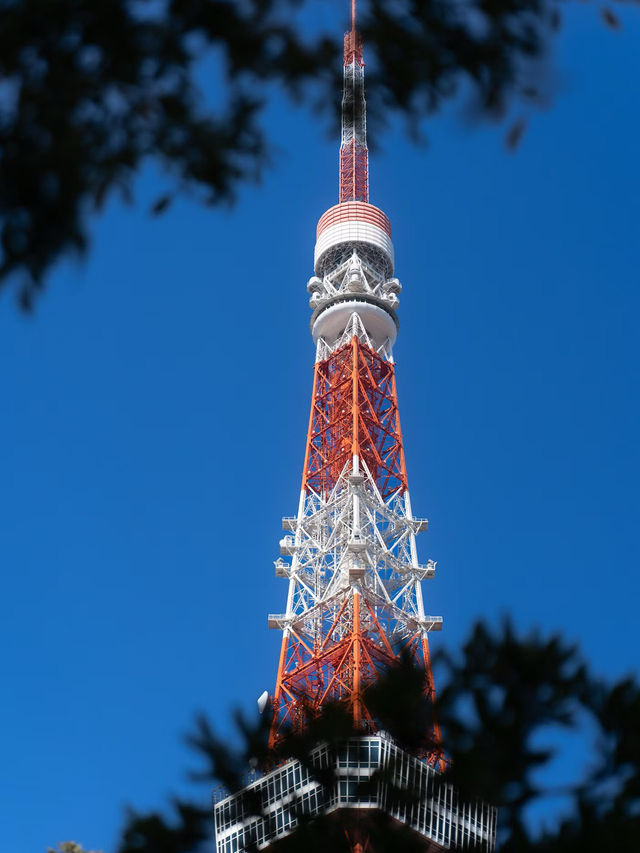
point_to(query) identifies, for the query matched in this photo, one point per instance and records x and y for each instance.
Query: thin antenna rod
(353, 16)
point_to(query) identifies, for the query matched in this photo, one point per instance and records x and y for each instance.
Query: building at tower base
(432, 810)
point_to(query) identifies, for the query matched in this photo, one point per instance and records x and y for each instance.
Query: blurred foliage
(90, 90)
(499, 699)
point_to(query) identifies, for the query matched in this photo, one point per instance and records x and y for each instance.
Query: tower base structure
(432, 809)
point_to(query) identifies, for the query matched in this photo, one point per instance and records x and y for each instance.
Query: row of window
(278, 822)
(289, 780)
(359, 754)
(439, 814)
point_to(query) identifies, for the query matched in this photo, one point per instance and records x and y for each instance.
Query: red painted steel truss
(341, 648)
(354, 411)
(354, 172)
(338, 665)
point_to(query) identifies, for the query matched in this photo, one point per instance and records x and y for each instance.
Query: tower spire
(354, 156)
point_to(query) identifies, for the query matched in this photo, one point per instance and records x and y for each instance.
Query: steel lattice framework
(354, 412)
(354, 602)
(354, 155)
(355, 598)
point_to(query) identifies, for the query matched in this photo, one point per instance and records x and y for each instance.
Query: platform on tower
(267, 809)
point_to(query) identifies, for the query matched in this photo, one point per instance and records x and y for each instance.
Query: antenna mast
(354, 155)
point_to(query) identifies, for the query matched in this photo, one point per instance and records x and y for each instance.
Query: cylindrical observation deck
(348, 227)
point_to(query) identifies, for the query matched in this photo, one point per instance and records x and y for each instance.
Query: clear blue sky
(153, 416)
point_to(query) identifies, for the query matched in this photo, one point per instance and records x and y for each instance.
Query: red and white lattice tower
(355, 598)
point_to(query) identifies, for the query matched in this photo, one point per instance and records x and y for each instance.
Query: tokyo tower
(354, 603)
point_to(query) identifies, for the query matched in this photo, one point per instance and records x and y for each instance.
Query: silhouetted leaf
(515, 134)
(161, 204)
(610, 19)
(555, 19)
